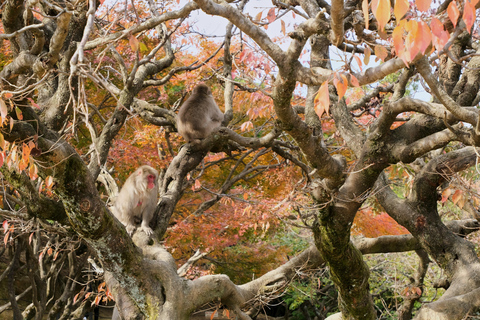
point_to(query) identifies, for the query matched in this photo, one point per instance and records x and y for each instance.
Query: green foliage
(313, 293)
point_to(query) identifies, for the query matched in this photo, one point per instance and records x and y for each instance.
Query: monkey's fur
(199, 115)
(138, 199)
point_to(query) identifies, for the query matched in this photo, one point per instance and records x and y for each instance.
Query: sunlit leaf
(5, 226)
(469, 15)
(423, 5)
(259, 16)
(453, 13)
(397, 37)
(381, 11)
(424, 36)
(440, 35)
(365, 13)
(322, 100)
(400, 9)
(33, 172)
(49, 182)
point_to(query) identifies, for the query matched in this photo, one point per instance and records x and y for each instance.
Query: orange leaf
(440, 35)
(134, 43)
(283, 26)
(50, 251)
(469, 15)
(445, 194)
(381, 11)
(359, 62)
(5, 226)
(322, 100)
(213, 314)
(401, 7)
(424, 36)
(412, 47)
(75, 298)
(365, 13)
(423, 5)
(367, 52)
(271, 15)
(49, 182)
(341, 84)
(456, 196)
(397, 37)
(354, 81)
(30, 238)
(381, 52)
(2, 158)
(453, 13)
(5, 239)
(8, 95)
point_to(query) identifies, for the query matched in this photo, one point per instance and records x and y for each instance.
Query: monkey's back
(198, 115)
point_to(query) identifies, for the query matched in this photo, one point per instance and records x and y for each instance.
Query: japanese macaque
(199, 115)
(138, 199)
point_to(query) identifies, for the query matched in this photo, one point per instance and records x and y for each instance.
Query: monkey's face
(151, 181)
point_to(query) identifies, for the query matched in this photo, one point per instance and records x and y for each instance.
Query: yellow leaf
(381, 12)
(365, 13)
(401, 7)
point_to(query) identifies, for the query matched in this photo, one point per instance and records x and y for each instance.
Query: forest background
(330, 190)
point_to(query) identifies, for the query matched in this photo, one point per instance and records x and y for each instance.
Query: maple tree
(90, 90)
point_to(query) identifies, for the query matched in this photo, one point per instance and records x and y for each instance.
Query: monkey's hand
(130, 229)
(147, 230)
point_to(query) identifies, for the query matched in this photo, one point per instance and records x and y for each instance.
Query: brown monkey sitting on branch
(199, 115)
(138, 199)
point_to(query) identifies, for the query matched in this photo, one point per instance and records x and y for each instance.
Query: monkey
(199, 115)
(137, 199)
